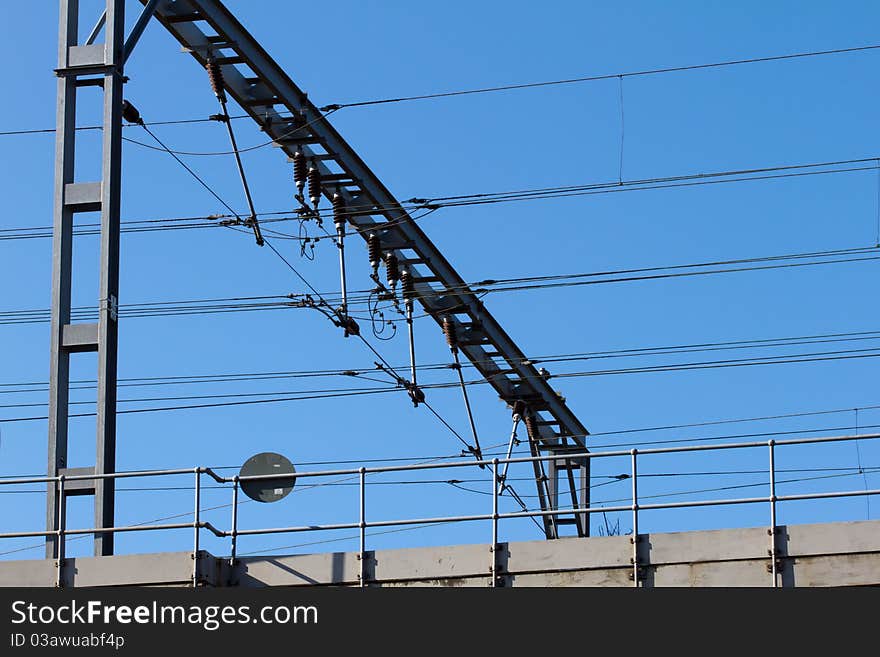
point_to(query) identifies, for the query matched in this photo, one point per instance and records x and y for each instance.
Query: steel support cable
(795, 480)
(191, 172)
(459, 486)
(400, 381)
(410, 460)
(35, 131)
(690, 180)
(348, 481)
(875, 352)
(484, 286)
(84, 384)
(30, 317)
(243, 377)
(230, 395)
(542, 193)
(148, 225)
(233, 377)
(638, 188)
(252, 220)
(494, 449)
(761, 360)
(235, 150)
(715, 489)
(331, 484)
(179, 122)
(214, 405)
(169, 312)
(289, 265)
(595, 78)
(432, 386)
(475, 199)
(616, 184)
(389, 369)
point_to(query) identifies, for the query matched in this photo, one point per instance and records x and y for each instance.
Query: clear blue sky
(806, 110)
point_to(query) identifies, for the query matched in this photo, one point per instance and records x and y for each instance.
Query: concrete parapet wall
(835, 554)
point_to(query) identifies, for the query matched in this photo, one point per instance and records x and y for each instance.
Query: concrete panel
(458, 582)
(298, 570)
(432, 563)
(841, 570)
(715, 545)
(30, 572)
(601, 577)
(161, 568)
(834, 538)
(705, 574)
(569, 554)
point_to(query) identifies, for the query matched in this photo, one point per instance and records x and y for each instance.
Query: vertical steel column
(362, 545)
(772, 531)
(62, 246)
(111, 175)
(74, 62)
(635, 518)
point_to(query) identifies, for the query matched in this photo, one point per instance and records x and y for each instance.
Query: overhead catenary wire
(176, 157)
(305, 395)
(763, 360)
(479, 198)
(701, 424)
(595, 78)
(511, 87)
(655, 350)
(9, 133)
(261, 241)
(246, 149)
(621, 154)
(189, 170)
(713, 489)
(483, 286)
(388, 368)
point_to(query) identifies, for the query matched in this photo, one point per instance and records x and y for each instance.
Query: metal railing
(495, 516)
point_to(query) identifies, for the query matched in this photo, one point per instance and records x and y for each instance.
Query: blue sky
(777, 113)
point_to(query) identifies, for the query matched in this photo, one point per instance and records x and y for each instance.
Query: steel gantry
(210, 33)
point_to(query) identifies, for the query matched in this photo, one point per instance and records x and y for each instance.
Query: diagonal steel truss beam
(206, 28)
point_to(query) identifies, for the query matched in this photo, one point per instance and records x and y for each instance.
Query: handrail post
(635, 518)
(772, 531)
(196, 526)
(362, 474)
(234, 532)
(493, 550)
(62, 522)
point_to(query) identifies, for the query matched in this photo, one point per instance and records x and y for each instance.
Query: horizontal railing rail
(495, 516)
